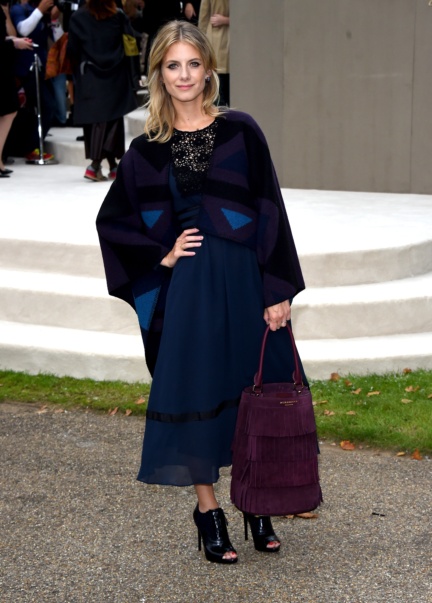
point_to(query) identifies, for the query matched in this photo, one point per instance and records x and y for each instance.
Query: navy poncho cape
(241, 201)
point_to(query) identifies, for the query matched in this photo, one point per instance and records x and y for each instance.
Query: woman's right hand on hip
(184, 243)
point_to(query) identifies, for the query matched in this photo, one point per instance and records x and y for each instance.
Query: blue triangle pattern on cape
(150, 217)
(144, 306)
(236, 219)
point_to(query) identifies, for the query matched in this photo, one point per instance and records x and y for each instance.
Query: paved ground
(76, 527)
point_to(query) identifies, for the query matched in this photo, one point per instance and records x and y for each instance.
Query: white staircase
(367, 260)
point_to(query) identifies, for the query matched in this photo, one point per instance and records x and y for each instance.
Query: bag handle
(258, 379)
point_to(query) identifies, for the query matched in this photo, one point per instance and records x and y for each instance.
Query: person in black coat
(157, 13)
(104, 91)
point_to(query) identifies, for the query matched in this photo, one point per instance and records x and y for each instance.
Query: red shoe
(112, 174)
(95, 175)
(35, 156)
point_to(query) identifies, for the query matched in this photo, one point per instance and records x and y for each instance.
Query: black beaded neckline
(191, 153)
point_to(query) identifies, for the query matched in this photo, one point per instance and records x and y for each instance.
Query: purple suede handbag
(275, 447)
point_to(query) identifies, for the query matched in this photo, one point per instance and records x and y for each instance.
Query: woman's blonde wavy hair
(159, 125)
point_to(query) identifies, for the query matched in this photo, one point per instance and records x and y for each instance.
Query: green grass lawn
(392, 411)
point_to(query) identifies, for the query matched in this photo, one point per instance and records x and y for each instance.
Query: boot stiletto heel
(212, 531)
(262, 532)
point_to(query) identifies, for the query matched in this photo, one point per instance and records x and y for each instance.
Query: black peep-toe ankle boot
(212, 530)
(262, 532)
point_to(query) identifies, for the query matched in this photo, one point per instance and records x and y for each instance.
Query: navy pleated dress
(210, 343)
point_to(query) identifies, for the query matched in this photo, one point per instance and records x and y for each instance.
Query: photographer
(33, 20)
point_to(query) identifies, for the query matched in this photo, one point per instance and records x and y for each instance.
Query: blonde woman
(195, 237)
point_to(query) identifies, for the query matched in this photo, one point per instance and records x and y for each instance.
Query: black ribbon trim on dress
(184, 417)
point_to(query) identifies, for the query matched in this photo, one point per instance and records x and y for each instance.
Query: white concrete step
(107, 356)
(61, 300)
(402, 306)
(68, 150)
(333, 312)
(45, 256)
(367, 260)
(74, 352)
(366, 355)
(320, 270)
(348, 238)
(134, 122)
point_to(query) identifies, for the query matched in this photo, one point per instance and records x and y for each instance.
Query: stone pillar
(341, 88)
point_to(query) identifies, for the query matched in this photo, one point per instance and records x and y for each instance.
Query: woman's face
(183, 73)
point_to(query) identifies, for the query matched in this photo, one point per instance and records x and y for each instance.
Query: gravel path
(76, 527)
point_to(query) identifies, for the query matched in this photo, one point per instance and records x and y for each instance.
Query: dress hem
(183, 485)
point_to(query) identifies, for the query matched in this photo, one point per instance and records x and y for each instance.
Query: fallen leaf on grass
(356, 391)
(128, 412)
(407, 370)
(369, 394)
(328, 413)
(334, 377)
(401, 453)
(351, 412)
(347, 383)
(113, 411)
(405, 401)
(140, 400)
(320, 402)
(347, 445)
(411, 388)
(430, 397)
(416, 455)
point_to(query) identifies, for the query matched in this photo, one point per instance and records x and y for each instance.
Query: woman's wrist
(166, 262)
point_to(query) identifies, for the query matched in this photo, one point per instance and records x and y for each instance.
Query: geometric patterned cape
(241, 201)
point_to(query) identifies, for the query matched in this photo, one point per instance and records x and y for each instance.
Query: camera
(66, 5)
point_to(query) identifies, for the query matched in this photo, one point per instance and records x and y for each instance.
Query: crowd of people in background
(94, 82)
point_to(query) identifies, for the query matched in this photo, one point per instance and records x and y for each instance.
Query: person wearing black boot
(195, 237)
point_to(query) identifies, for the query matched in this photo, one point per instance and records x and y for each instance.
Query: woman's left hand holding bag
(278, 315)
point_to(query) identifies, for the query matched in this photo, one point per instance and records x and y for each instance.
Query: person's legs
(59, 88)
(93, 142)
(261, 527)
(206, 497)
(5, 126)
(207, 502)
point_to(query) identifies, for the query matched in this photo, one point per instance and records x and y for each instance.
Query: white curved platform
(367, 260)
